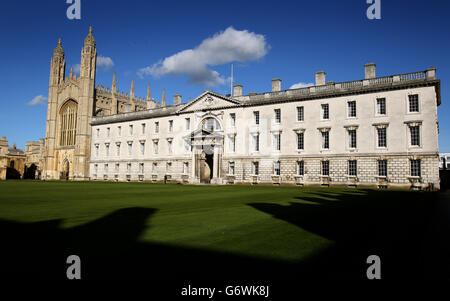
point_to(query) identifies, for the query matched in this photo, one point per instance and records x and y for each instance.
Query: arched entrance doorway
(207, 164)
(30, 172)
(66, 170)
(206, 144)
(11, 171)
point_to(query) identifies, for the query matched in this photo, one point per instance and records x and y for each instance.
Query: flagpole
(231, 85)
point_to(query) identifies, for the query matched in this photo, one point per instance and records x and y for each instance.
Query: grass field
(194, 231)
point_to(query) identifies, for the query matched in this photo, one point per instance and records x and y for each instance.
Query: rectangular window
(130, 148)
(156, 127)
(185, 168)
(106, 168)
(231, 168)
(131, 129)
(142, 147)
(128, 167)
(117, 167)
(107, 149)
(413, 103)
(382, 168)
(118, 149)
(155, 147)
(232, 140)
(300, 168)
(352, 138)
(256, 168)
(256, 143)
(188, 123)
(119, 131)
(233, 119)
(415, 168)
(300, 113)
(351, 108)
(382, 141)
(143, 128)
(352, 168)
(277, 115)
(108, 131)
(96, 168)
(325, 140)
(300, 141)
(169, 167)
(98, 133)
(141, 168)
(277, 168)
(415, 135)
(154, 167)
(381, 106)
(256, 117)
(277, 141)
(96, 150)
(325, 111)
(325, 168)
(187, 147)
(169, 146)
(170, 126)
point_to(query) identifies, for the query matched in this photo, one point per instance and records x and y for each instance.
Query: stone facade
(34, 153)
(12, 161)
(71, 160)
(378, 131)
(179, 139)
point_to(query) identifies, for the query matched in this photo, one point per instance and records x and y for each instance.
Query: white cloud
(301, 85)
(224, 47)
(38, 100)
(76, 68)
(104, 62)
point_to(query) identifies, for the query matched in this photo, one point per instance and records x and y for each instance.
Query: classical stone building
(34, 159)
(377, 131)
(12, 161)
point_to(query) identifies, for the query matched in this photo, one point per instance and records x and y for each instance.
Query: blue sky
(299, 38)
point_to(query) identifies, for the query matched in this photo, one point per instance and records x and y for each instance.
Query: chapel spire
(148, 93)
(132, 89)
(88, 57)
(163, 100)
(114, 84)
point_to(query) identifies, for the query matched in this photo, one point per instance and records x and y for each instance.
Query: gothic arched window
(68, 123)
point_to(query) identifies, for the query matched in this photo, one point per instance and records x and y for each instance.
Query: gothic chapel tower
(70, 109)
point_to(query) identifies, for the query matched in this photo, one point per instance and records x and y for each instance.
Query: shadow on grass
(397, 228)
(109, 249)
(407, 230)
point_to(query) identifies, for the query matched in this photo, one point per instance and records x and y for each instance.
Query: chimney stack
(320, 78)
(237, 90)
(176, 99)
(276, 85)
(151, 104)
(369, 70)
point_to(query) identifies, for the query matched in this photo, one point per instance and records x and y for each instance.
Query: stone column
(194, 162)
(216, 163)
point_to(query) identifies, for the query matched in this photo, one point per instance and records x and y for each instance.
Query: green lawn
(316, 228)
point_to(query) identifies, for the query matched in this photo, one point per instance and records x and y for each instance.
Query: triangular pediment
(209, 101)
